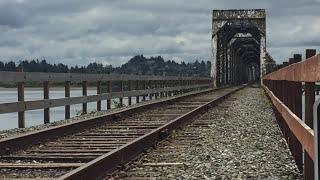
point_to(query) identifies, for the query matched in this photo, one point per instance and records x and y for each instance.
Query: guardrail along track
(93, 151)
(284, 88)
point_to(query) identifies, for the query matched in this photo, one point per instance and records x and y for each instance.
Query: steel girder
(238, 39)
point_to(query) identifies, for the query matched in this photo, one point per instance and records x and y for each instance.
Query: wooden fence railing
(126, 86)
(285, 89)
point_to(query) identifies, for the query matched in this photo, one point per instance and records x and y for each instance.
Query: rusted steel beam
(305, 71)
(301, 131)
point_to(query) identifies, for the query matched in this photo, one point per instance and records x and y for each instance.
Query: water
(35, 117)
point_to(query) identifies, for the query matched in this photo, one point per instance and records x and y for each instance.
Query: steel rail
(15, 143)
(108, 162)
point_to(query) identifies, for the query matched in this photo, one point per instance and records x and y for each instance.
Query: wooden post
(156, 84)
(129, 89)
(144, 88)
(99, 92)
(165, 86)
(46, 111)
(150, 87)
(160, 88)
(310, 88)
(67, 95)
(182, 86)
(108, 91)
(137, 88)
(21, 117)
(121, 90)
(298, 111)
(84, 93)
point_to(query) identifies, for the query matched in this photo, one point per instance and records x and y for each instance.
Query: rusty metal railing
(285, 89)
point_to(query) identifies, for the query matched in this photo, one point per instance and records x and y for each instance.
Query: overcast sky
(112, 31)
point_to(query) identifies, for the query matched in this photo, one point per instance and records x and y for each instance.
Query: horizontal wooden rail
(11, 77)
(305, 71)
(49, 103)
(303, 132)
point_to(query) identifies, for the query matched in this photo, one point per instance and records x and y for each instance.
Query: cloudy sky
(112, 31)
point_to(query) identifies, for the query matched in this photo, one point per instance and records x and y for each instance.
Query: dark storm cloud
(82, 31)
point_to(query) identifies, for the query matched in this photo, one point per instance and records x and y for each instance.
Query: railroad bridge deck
(237, 139)
(208, 127)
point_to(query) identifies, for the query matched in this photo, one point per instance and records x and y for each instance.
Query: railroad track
(170, 158)
(94, 147)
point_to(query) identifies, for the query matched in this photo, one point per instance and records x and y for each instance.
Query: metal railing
(126, 86)
(285, 89)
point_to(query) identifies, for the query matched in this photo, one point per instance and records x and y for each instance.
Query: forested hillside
(136, 65)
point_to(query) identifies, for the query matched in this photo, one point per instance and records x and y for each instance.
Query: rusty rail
(110, 156)
(108, 162)
(285, 90)
(151, 86)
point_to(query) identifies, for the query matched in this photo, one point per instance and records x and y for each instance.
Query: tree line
(136, 65)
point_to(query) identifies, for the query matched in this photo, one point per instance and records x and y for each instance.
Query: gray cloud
(112, 31)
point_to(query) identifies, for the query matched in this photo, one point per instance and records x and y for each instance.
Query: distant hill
(158, 66)
(136, 65)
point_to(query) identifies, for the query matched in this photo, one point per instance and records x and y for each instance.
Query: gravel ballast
(240, 139)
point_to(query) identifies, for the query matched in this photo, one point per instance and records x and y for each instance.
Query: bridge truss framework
(239, 46)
